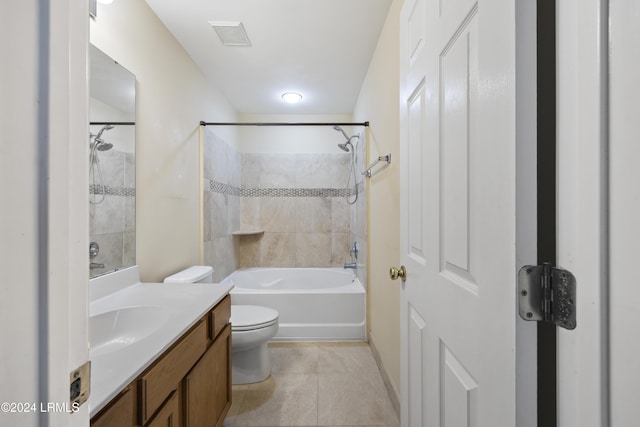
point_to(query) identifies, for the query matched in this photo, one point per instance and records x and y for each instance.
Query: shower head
(99, 143)
(345, 146)
(102, 145)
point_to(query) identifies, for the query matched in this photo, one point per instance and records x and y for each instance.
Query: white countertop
(181, 306)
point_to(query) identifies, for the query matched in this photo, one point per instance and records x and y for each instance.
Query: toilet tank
(195, 274)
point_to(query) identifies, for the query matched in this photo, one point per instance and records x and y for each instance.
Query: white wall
(292, 139)
(172, 97)
(18, 227)
(378, 103)
(43, 298)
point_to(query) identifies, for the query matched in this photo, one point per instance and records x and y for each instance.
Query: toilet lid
(249, 317)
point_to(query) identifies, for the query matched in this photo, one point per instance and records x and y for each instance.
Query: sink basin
(115, 329)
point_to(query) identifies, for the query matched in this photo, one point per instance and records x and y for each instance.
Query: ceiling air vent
(231, 33)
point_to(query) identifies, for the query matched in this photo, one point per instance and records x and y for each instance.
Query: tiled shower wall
(296, 201)
(221, 205)
(112, 222)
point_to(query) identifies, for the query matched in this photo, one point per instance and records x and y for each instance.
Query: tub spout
(95, 265)
(351, 265)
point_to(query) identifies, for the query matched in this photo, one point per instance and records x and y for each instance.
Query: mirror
(112, 179)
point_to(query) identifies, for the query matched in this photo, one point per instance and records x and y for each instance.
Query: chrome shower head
(102, 145)
(99, 143)
(345, 146)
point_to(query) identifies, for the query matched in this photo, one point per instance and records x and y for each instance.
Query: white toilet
(252, 327)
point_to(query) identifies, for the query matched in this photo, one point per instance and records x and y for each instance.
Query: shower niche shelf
(248, 232)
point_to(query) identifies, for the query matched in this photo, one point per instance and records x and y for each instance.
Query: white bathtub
(315, 304)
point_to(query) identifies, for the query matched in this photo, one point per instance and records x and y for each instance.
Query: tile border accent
(229, 190)
(226, 189)
(112, 191)
(294, 192)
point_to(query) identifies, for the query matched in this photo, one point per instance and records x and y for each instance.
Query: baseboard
(393, 393)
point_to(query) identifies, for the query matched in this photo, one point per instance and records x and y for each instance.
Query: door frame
(45, 298)
(582, 220)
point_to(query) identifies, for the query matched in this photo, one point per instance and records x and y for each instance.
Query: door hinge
(547, 294)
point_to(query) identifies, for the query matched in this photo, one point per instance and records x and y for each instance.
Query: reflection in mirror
(112, 162)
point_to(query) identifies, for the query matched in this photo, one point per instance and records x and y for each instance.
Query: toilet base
(251, 365)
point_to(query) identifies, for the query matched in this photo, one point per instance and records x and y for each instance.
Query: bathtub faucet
(351, 265)
(353, 252)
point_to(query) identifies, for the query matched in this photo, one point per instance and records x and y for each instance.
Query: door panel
(413, 47)
(458, 69)
(416, 354)
(458, 213)
(416, 247)
(459, 391)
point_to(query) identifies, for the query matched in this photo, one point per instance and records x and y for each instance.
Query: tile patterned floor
(315, 384)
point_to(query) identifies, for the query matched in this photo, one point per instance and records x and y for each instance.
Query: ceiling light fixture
(291, 97)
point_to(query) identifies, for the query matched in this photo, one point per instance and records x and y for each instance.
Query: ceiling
(319, 48)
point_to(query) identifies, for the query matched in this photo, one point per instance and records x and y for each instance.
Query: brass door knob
(394, 273)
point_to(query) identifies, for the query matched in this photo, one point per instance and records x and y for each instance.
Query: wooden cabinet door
(208, 385)
(169, 370)
(169, 414)
(119, 412)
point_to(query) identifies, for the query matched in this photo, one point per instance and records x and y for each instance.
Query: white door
(598, 210)
(467, 221)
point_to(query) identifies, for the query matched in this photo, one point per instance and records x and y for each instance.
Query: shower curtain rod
(112, 123)
(202, 123)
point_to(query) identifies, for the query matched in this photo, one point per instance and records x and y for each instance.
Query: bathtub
(315, 304)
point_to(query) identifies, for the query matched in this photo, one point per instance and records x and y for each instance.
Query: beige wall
(172, 96)
(292, 139)
(378, 103)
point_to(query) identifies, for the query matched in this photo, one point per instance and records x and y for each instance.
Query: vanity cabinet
(208, 385)
(165, 375)
(169, 414)
(119, 412)
(188, 385)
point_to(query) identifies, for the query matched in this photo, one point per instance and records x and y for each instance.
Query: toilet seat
(252, 317)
